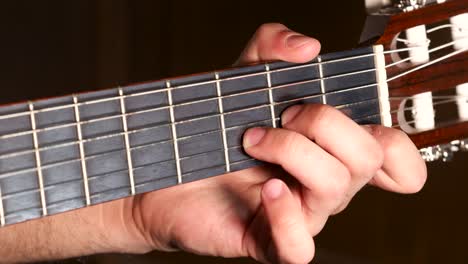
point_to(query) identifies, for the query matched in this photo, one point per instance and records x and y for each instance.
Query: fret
(270, 95)
(38, 160)
(2, 212)
(322, 83)
(82, 152)
(127, 143)
(221, 119)
(174, 132)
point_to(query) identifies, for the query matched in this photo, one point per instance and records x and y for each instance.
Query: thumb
(277, 42)
(291, 241)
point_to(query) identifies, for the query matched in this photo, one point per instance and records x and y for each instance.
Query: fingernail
(273, 189)
(253, 136)
(297, 40)
(290, 113)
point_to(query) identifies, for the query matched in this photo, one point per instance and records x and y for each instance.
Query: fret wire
(174, 132)
(51, 187)
(151, 164)
(184, 121)
(322, 83)
(127, 143)
(84, 170)
(2, 212)
(38, 160)
(223, 125)
(193, 102)
(186, 86)
(96, 195)
(10, 174)
(270, 95)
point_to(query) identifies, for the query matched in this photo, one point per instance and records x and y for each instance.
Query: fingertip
(300, 48)
(253, 136)
(273, 189)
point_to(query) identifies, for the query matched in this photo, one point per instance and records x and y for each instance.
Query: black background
(50, 48)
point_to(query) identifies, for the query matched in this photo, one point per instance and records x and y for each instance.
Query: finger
(340, 136)
(324, 178)
(403, 170)
(292, 241)
(276, 42)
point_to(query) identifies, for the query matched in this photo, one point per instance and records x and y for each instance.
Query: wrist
(121, 227)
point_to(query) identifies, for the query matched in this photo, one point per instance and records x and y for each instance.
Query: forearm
(92, 230)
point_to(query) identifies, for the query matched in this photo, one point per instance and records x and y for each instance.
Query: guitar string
(233, 78)
(47, 166)
(434, 29)
(390, 98)
(48, 188)
(16, 134)
(139, 185)
(6, 116)
(442, 58)
(94, 177)
(60, 163)
(443, 46)
(142, 184)
(94, 120)
(229, 78)
(121, 115)
(304, 98)
(50, 206)
(139, 130)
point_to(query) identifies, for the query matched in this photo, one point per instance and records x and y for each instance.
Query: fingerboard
(79, 150)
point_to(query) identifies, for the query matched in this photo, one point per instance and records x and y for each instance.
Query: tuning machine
(444, 152)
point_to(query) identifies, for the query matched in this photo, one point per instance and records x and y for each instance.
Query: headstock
(427, 69)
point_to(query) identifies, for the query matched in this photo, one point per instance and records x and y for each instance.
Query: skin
(269, 213)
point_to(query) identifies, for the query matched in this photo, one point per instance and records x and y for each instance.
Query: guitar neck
(79, 150)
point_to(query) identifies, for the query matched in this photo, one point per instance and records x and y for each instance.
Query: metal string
(452, 54)
(9, 155)
(191, 120)
(427, 64)
(6, 116)
(60, 163)
(184, 104)
(191, 102)
(48, 188)
(50, 165)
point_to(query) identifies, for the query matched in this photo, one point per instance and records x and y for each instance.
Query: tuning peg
(444, 152)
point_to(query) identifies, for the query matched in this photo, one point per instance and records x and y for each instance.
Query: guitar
(75, 151)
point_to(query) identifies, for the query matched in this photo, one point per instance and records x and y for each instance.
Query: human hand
(270, 213)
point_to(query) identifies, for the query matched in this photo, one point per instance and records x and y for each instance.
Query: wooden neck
(75, 151)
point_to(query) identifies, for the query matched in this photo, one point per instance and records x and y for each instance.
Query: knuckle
(374, 160)
(396, 144)
(337, 185)
(370, 160)
(321, 116)
(292, 145)
(266, 28)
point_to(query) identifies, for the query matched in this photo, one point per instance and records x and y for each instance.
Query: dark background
(50, 48)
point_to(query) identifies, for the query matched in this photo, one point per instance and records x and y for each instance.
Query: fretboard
(79, 150)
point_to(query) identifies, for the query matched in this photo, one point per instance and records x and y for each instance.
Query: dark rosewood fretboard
(73, 151)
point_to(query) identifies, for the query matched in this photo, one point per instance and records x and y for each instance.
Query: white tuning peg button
(460, 35)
